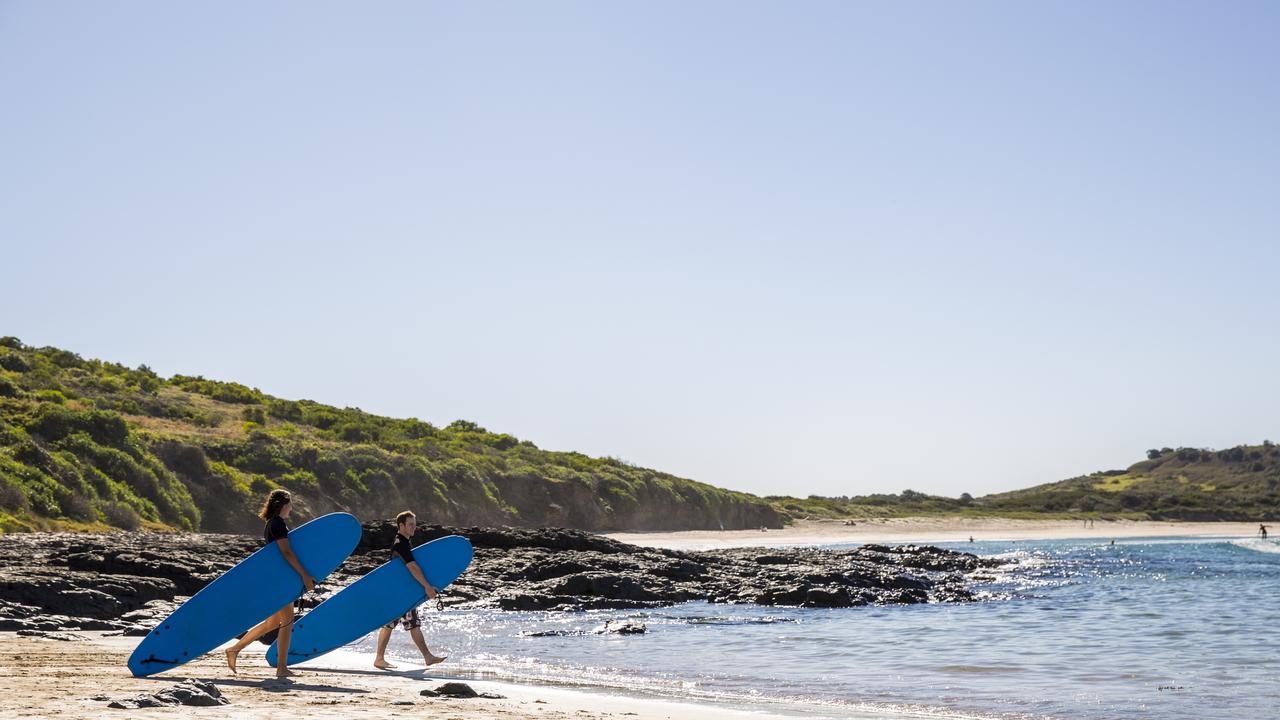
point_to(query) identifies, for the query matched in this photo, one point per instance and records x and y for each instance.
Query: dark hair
(404, 516)
(276, 500)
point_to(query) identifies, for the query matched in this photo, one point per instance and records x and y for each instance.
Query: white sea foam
(1259, 545)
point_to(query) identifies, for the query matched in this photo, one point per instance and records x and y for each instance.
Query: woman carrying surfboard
(274, 511)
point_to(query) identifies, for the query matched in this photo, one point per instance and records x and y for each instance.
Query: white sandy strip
(932, 530)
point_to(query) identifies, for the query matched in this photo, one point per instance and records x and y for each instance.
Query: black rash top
(401, 549)
(275, 530)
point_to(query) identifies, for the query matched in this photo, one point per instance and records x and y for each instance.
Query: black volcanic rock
(130, 581)
(190, 692)
(378, 536)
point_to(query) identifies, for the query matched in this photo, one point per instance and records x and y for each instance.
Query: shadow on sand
(270, 684)
(412, 674)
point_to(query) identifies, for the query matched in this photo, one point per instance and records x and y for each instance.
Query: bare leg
(384, 636)
(271, 623)
(427, 657)
(282, 642)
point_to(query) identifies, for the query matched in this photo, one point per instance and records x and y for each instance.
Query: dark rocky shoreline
(126, 582)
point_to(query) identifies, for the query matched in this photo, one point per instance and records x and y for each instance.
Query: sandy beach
(933, 530)
(42, 678)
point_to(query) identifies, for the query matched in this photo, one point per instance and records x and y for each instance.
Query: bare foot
(432, 659)
(383, 664)
(285, 674)
(231, 660)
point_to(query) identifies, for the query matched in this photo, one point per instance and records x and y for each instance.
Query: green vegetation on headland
(87, 444)
(1240, 483)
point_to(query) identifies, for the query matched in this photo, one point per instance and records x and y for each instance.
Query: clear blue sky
(785, 247)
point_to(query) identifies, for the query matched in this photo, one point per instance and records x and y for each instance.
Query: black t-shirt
(275, 530)
(401, 548)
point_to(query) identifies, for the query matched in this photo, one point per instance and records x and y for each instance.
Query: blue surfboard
(245, 595)
(374, 600)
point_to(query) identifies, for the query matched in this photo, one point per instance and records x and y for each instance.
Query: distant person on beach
(274, 511)
(1262, 531)
(402, 548)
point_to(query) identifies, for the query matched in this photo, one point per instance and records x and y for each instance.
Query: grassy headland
(88, 444)
(1240, 484)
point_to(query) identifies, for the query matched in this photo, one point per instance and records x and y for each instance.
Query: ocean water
(1148, 628)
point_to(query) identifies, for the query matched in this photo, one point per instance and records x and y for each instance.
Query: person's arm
(287, 552)
(416, 572)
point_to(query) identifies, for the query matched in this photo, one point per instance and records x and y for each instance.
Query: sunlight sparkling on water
(1146, 628)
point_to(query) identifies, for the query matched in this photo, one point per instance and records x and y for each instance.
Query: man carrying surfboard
(274, 511)
(402, 548)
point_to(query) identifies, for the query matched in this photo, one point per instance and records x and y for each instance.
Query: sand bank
(933, 530)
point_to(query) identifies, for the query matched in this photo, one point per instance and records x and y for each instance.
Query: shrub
(9, 388)
(285, 430)
(149, 383)
(40, 491)
(261, 485)
(62, 358)
(1235, 454)
(52, 396)
(465, 426)
(54, 423)
(229, 392)
(77, 507)
(416, 429)
(11, 496)
(14, 362)
(115, 464)
(323, 419)
(354, 434)
(285, 410)
(300, 480)
(106, 383)
(207, 419)
(501, 442)
(120, 515)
